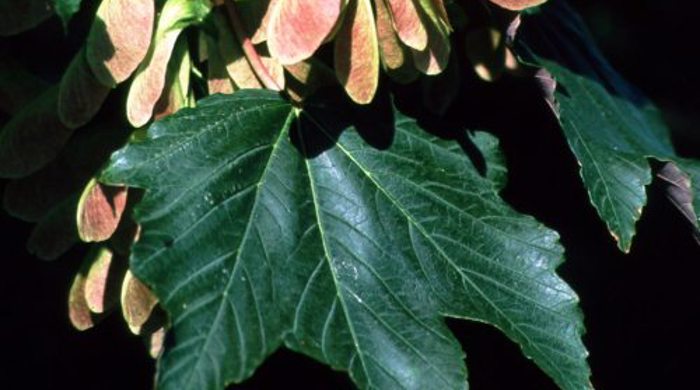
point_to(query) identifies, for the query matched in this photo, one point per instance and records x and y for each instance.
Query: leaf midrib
(437, 247)
(237, 262)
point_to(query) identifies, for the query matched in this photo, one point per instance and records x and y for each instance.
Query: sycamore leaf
(65, 9)
(296, 28)
(357, 52)
(17, 16)
(119, 39)
(611, 128)
(259, 230)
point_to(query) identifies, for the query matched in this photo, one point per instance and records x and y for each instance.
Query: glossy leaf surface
(346, 241)
(612, 129)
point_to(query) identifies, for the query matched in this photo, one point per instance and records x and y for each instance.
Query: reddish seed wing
(393, 55)
(408, 23)
(296, 28)
(218, 80)
(99, 211)
(357, 52)
(33, 137)
(436, 55)
(80, 95)
(177, 85)
(149, 82)
(119, 38)
(55, 233)
(137, 302)
(80, 315)
(237, 64)
(517, 5)
(305, 77)
(98, 296)
(18, 87)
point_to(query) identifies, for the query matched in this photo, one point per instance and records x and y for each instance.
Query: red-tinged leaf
(297, 28)
(137, 302)
(436, 55)
(21, 15)
(237, 65)
(102, 281)
(486, 50)
(99, 211)
(18, 87)
(119, 39)
(80, 94)
(306, 77)
(407, 22)
(56, 233)
(78, 311)
(33, 137)
(517, 5)
(357, 52)
(393, 54)
(177, 84)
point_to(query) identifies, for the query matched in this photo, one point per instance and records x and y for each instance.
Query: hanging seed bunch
(165, 57)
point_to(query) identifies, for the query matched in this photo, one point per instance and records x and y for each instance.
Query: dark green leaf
(259, 229)
(611, 128)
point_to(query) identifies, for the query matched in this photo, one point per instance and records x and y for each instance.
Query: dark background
(642, 310)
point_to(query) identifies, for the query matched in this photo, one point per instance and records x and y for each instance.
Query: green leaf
(348, 242)
(65, 9)
(611, 128)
